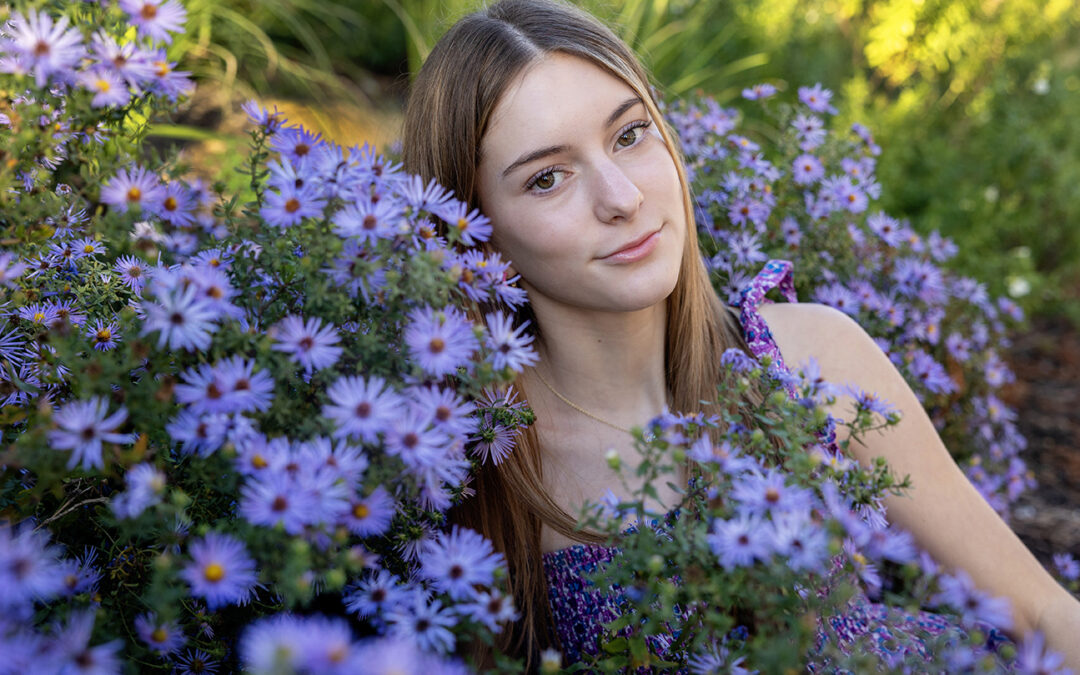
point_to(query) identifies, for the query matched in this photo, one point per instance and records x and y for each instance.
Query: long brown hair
(448, 112)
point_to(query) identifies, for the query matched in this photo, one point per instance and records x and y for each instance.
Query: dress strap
(775, 274)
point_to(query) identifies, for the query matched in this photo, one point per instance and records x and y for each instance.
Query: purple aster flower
(740, 541)
(449, 412)
(308, 342)
(196, 662)
(220, 571)
(296, 143)
(230, 386)
(469, 227)
(495, 443)
(104, 336)
(457, 561)
(78, 657)
(1067, 566)
(39, 313)
(817, 98)
(43, 47)
(760, 494)
(81, 574)
(145, 486)
(166, 80)
(263, 117)
(839, 297)
(155, 19)
(127, 61)
(201, 434)
(291, 205)
(424, 624)
(176, 205)
(370, 515)
(83, 426)
(887, 228)
(108, 88)
(185, 320)
(996, 372)
(360, 407)
(930, 373)
(340, 459)
(440, 340)
(738, 360)
(369, 221)
(758, 92)
(133, 272)
(1033, 657)
(804, 543)
(864, 134)
(919, 279)
(164, 637)
(272, 499)
(412, 437)
(510, 347)
(810, 131)
(490, 608)
(11, 269)
(29, 566)
(376, 594)
(807, 170)
(850, 197)
(134, 187)
(66, 312)
(959, 591)
(423, 197)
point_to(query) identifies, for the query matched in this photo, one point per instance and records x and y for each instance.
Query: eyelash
(639, 124)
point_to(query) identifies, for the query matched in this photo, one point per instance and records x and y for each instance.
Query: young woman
(537, 114)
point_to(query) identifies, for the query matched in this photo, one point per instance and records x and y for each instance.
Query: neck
(609, 363)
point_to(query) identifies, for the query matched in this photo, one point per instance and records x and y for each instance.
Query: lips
(636, 249)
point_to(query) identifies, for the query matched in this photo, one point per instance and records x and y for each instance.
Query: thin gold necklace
(578, 408)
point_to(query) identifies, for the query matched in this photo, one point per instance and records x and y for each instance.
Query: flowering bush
(810, 200)
(232, 424)
(219, 410)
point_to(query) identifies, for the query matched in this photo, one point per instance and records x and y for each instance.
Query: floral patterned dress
(579, 609)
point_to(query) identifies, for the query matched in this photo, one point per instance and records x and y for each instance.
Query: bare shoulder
(846, 353)
(803, 330)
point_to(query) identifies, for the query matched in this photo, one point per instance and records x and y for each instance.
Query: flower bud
(612, 458)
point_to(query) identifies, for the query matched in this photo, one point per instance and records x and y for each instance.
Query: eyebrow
(555, 149)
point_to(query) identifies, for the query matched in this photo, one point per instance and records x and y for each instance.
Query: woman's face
(582, 192)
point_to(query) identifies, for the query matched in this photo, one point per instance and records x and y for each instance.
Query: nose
(617, 196)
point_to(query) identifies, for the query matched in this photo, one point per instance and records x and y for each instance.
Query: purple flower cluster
(57, 53)
(318, 644)
(815, 205)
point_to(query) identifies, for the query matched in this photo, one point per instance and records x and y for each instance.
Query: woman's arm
(943, 511)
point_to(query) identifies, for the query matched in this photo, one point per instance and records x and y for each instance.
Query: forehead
(557, 95)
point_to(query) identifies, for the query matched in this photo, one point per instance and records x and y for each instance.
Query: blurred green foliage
(973, 101)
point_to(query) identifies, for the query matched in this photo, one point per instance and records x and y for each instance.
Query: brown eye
(545, 181)
(629, 137)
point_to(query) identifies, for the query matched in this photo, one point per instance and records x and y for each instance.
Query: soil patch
(1046, 396)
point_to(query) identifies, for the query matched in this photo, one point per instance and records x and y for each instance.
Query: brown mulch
(1046, 396)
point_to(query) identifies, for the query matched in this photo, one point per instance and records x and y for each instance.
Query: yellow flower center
(214, 572)
(361, 511)
(159, 635)
(134, 194)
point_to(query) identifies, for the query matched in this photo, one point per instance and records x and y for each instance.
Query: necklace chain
(578, 408)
